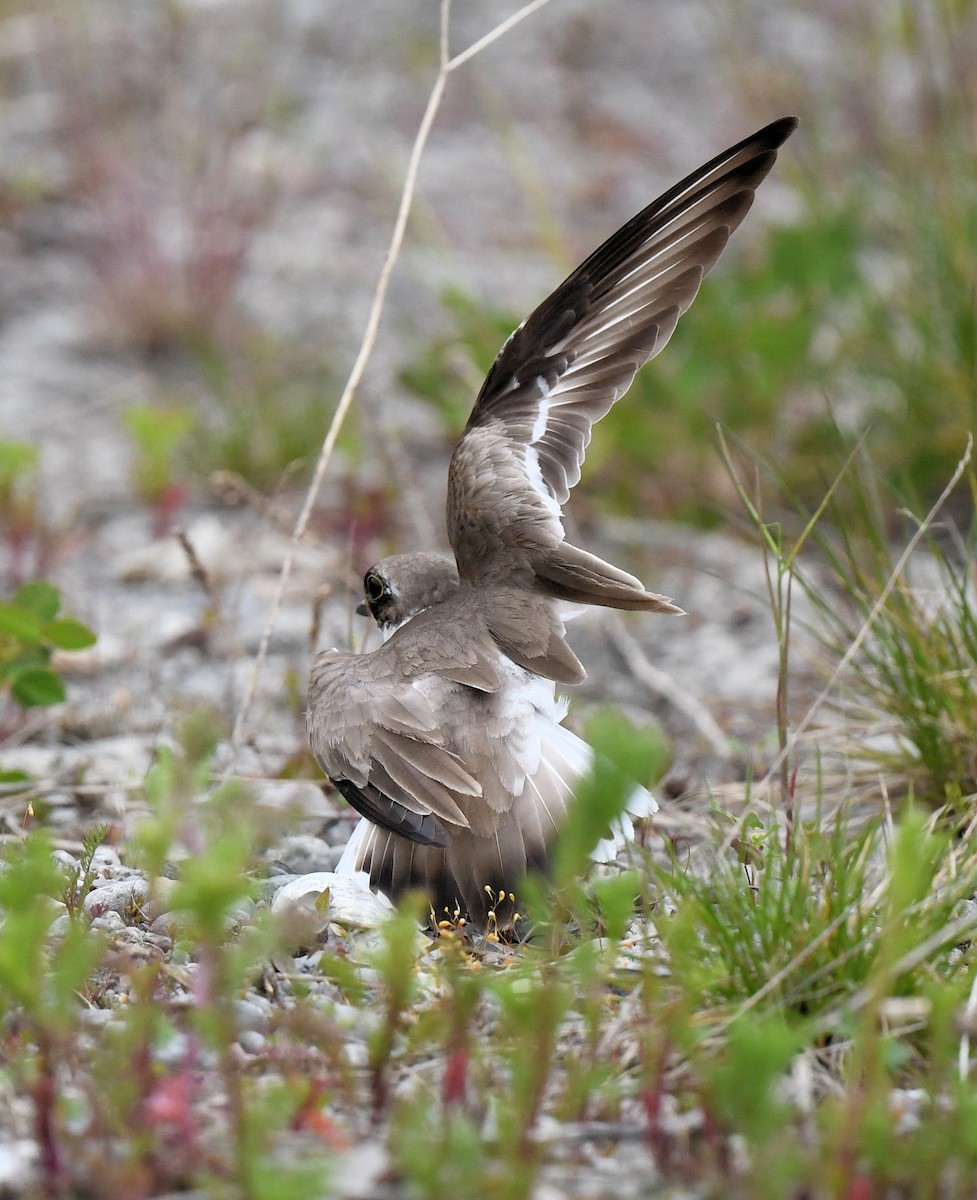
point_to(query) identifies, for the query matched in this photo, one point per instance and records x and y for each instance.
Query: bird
(448, 739)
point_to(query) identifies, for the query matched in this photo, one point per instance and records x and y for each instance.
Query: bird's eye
(375, 587)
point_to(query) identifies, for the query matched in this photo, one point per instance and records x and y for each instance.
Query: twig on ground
(234, 491)
(205, 582)
(197, 569)
(660, 683)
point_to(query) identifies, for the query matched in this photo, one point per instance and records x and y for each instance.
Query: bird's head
(399, 587)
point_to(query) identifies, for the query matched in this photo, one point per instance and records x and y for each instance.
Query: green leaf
(19, 623)
(36, 687)
(29, 882)
(75, 957)
(40, 597)
(30, 656)
(158, 430)
(68, 634)
(615, 896)
(624, 757)
(743, 1085)
(641, 754)
(18, 460)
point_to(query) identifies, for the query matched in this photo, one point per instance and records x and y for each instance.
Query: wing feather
(377, 737)
(578, 352)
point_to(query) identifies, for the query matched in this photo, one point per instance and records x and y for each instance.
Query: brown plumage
(448, 738)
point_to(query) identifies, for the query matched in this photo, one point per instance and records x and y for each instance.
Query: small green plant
(41, 984)
(19, 519)
(503, 1019)
(30, 631)
(262, 404)
(797, 931)
(213, 899)
(159, 434)
(78, 882)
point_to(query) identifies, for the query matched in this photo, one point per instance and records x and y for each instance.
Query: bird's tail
(478, 876)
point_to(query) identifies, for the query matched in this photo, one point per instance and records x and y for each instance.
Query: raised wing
(567, 364)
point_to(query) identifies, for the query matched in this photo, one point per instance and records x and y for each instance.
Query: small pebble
(119, 895)
(251, 1041)
(174, 1051)
(268, 888)
(241, 913)
(249, 1016)
(96, 1018)
(161, 897)
(356, 1054)
(18, 1159)
(170, 924)
(109, 921)
(303, 854)
(59, 926)
(106, 858)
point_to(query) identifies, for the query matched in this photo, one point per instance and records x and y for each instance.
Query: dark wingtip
(768, 139)
(439, 836)
(777, 132)
(423, 828)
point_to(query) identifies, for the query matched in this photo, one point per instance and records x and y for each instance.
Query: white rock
(251, 1041)
(166, 561)
(250, 1016)
(361, 1170)
(116, 894)
(349, 903)
(59, 926)
(18, 1157)
(109, 922)
(106, 858)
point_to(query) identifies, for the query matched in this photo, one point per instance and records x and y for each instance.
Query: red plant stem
(45, 1125)
(454, 1087)
(651, 1097)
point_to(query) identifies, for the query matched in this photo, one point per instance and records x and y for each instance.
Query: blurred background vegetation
(853, 313)
(850, 308)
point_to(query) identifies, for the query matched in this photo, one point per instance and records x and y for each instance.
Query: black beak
(362, 610)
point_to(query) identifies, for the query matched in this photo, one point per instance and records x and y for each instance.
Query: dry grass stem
(660, 683)
(866, 627)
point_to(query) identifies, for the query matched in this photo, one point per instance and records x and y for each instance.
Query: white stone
(349, 902)
(18, 1158)
(116, 894)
